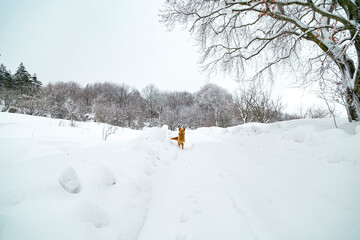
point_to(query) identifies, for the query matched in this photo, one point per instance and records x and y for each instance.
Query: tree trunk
(352, 100)
(352, 88)
(353, 94)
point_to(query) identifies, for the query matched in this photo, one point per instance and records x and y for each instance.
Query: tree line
(122, 105)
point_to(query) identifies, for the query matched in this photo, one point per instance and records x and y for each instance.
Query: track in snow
(190, 200)
(216, 190)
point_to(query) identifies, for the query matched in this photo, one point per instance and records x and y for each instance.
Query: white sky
(90, 41)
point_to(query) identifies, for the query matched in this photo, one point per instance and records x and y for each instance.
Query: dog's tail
(174, 138)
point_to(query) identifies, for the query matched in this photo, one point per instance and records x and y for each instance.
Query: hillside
(289, 180)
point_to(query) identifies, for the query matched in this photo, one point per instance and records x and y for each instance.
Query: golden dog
(180, 138)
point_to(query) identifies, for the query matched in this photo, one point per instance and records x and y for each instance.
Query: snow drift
(289, 180)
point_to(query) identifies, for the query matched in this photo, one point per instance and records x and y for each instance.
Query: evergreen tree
(26, 84)
(35, 85)
(6, 80)
(22, 80)
(7, 88)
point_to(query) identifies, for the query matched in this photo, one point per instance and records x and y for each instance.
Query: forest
(125, 106)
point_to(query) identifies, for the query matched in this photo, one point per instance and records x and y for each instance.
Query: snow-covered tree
(135, 110)
(190, 116)
(154, 102)
(65, 100)
(35, 86)
(171, 118)
(216, 103)
(21, 90)
(178, 99)
(233, 34)
(103, 111)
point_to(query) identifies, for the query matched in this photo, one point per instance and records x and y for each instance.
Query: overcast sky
(90, 41)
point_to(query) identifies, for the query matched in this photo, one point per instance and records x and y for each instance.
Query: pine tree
(22, 80)
(35, 85)
(26, 84)
(6, 80)
(7, 88)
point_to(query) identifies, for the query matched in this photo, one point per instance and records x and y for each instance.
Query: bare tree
(190, 116)
(104, 111)
(135, 110)
(32, 105)
(235, 33)
(107, 131)
(153, 99)
(243, 100)
(316, 111)
(66, 100)
(255, 105)
(171, 118)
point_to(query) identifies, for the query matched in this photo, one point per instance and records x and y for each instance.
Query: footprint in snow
(197, 211)
(184, 218)
(191, 196)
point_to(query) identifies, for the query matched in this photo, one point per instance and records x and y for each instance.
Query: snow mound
(137, 145)
(165, 128)
(104, 177)
(91, 213)
(297, 134)
(351, 128)
(153, 134)
(69, 180)
(151, 141)
(99, 175)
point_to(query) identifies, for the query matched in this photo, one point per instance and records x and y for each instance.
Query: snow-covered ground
(290, 180)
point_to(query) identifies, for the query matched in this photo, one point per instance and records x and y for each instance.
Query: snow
(294, 180)
(69, 180)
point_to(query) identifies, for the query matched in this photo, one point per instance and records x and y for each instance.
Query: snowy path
(216, 190)
(190, 201)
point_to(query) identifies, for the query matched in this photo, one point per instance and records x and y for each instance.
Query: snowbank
(111, 181)
(289, 180)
